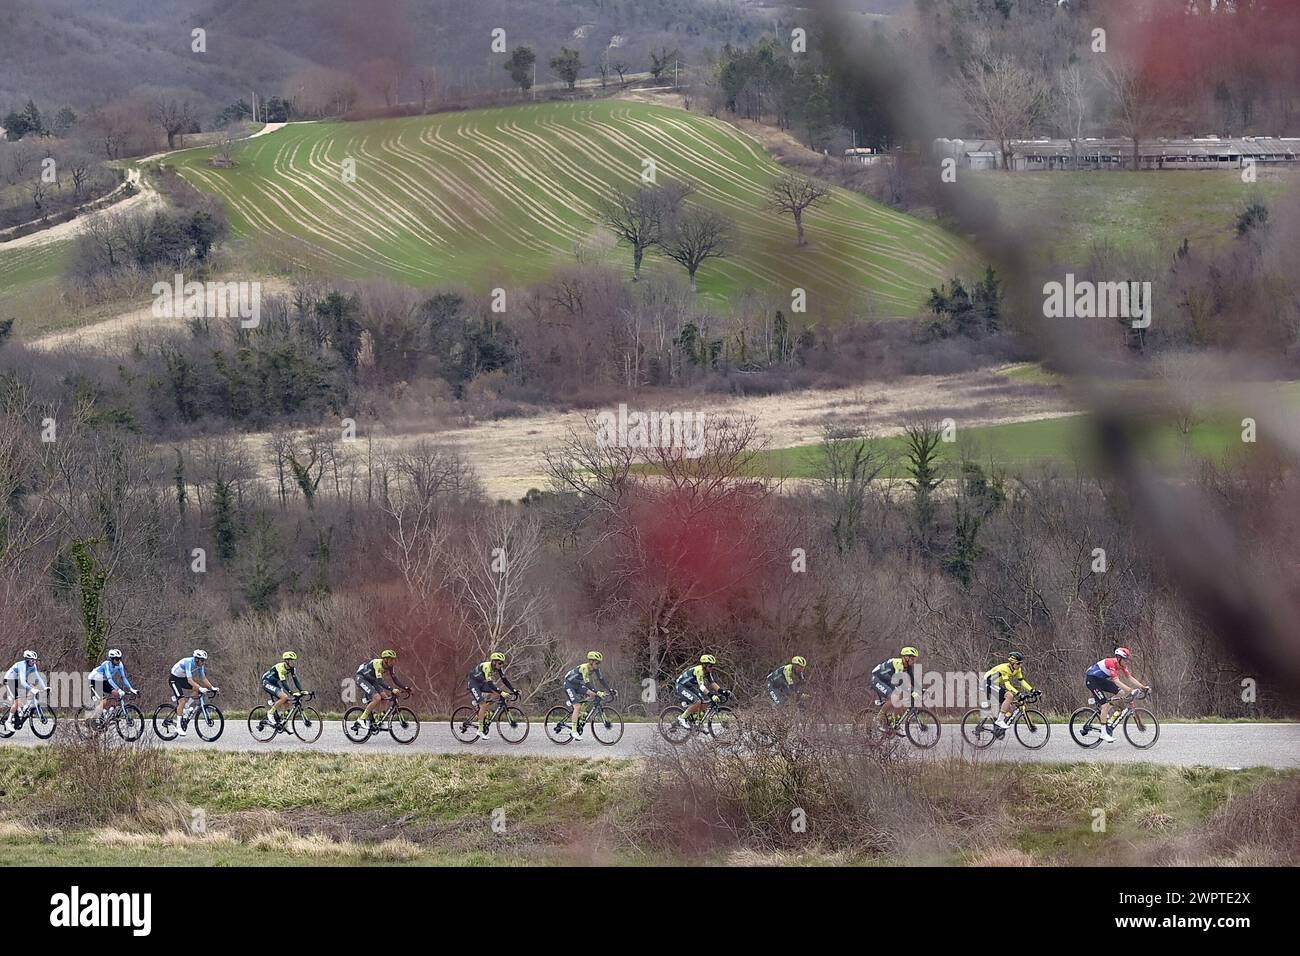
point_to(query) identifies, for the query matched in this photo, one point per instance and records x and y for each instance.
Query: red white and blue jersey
(1109, 667)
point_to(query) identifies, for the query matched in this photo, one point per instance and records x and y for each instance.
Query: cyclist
(23, 673)
(1107, 677)
(109, 682)
(370, 678)
(696, 686)
(1006, 676)
(580, 688)
(189, 678)
(276, 683)
(889, 672)
(483, 688)
(786, 680)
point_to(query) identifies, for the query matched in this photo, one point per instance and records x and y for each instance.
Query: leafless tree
(796, 194)
(850, 462)
(697, 235)
(639, 218)
(1004, 98)
(1073, 101)
(1133, 97)
(172, 114)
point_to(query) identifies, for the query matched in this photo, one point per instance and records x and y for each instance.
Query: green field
(29, 275)
(1066, 440)
(1145, 213)
(503, 195)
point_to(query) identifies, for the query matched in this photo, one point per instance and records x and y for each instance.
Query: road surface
(1216, 745)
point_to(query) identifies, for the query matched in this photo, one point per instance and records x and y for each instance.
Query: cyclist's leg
(12, 684)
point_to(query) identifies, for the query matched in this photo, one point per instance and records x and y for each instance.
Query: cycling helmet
(288, 656)
(1123, 653)
(596, 656)
(30, 656)
(498, 656)
(1016, 656)
(114, 655)
(388, 655)
(799, 661)
(909, 652)
(200, 655)
(708, 659)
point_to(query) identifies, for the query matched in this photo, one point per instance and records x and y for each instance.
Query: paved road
(1215, 745)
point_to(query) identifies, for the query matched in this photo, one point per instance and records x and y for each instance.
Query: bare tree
(697, 235)
(850, 461)
(1133, 98)
(639, 218)
(173, 115)
(1073, 101)
(796, 194)
(1004, 98)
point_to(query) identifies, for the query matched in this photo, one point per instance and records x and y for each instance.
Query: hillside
(505, 195)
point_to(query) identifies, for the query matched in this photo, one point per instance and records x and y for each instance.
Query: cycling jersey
(785, 676)
(278, 677)
(698, 675)
(24, 673)
(109, 673)
(1109, 668)
(188, 668)
(1006, 675)
(883, 677)
(487, 673)
(583, 674)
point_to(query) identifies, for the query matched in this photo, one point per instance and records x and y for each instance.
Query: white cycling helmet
(200, 655)
(114, 654)
(30, 656)
(1123, 653)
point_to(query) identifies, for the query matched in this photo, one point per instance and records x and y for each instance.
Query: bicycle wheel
(1032, 729)
(557, 726)
(978, 730)
(43, 722)
(1086, 727)
(1141, 728)
(164, 721)
(923, 728)
(259, 726)
(607, 726)
(130, 722)
(464, 724)
(362, 733)
(669, 726)
(513, 725)
(208, 722)
(307, 725)
(723, 724)
(404, 726)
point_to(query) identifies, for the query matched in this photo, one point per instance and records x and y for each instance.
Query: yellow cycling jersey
(1006, 673)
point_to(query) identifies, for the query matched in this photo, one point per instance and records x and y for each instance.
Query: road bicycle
(1141, 728)
(511, 723)
(980, 729)
(604, 722)
(400, 722)
(716, 720)
(40, 717)
(200, 713)
(918, 724)
(305, 723)
(125, 717)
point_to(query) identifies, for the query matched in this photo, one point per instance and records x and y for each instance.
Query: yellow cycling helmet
(387, 654)
(498, 656)
(596, 656)
(799, 661)
(909, 652)
(708, 659)
(288, 656)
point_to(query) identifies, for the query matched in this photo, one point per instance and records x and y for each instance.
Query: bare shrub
(102, 780)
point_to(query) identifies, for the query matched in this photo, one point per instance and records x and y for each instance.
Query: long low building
(1205, 152)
